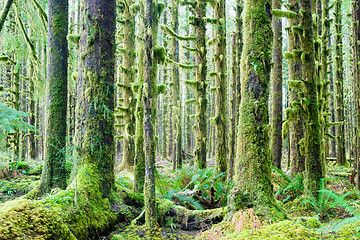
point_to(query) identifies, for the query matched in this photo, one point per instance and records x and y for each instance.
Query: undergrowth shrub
(195, 188)
(287, 188)
(329, 202)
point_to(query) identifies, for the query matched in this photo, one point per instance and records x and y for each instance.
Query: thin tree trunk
(296, 126)
(314, 164)
(276, 110)
(4, 13)
(221, 99)
(339, 86)
(176, 100)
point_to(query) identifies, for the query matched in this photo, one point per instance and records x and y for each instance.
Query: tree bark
(314, 152)
(339, 86)
(252, 170)
(94, 134)
(295, 74)
(276, 110)
(356, 75)
(176, 100)
(221, 99)
(199, 24)
(128, 73)
(4, 13)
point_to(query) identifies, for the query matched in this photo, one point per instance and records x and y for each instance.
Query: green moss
(83, 206)
(25, 219)
(309, 222)
(36, 170)
(283, 230)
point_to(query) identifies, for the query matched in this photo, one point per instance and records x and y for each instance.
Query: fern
(195, 180)
(11, 120)
(328, 199)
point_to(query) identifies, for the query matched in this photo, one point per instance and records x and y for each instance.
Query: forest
(179, 119)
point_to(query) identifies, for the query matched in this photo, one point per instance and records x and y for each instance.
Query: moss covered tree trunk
(314, 164)
(128, 75)
(53, 174)
(276, 110)
(339, 86)
(295, 74)
(236, 86)
(356, 75)
(15, 90)
(176, 97)
(94, 134)
(166, 95)
(152, 53)
(198, 22)
(139, 169)
(221, 116)
(324, 76)
(252, 168)
(31, 139)
(5, 12)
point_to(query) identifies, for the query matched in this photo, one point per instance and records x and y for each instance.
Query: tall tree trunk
(324, 76)
(276, 110)
(236, 86)
(54, 174)
(356, 75)
(176, 100)
(314, 164)
(252, 170)
(295, 74)
(128, 71)
(339, 86)
(31, 139)
(199, 24)
(150, 90)
(139, 169)
(221, 117)
(166, 95)
(94, 134)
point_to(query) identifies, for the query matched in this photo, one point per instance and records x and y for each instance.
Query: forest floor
(336, 215)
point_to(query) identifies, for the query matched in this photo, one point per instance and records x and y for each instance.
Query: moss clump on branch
(173, 34)
(284, 13)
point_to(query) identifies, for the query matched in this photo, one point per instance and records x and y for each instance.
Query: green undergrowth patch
(245, 224)
(141, 232)
(195, 188)
(13, 188)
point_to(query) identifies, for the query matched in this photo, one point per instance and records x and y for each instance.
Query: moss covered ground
(79, 212)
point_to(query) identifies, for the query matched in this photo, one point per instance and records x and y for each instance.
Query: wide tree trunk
(253, 165)
(54, 173)
(94, 134)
